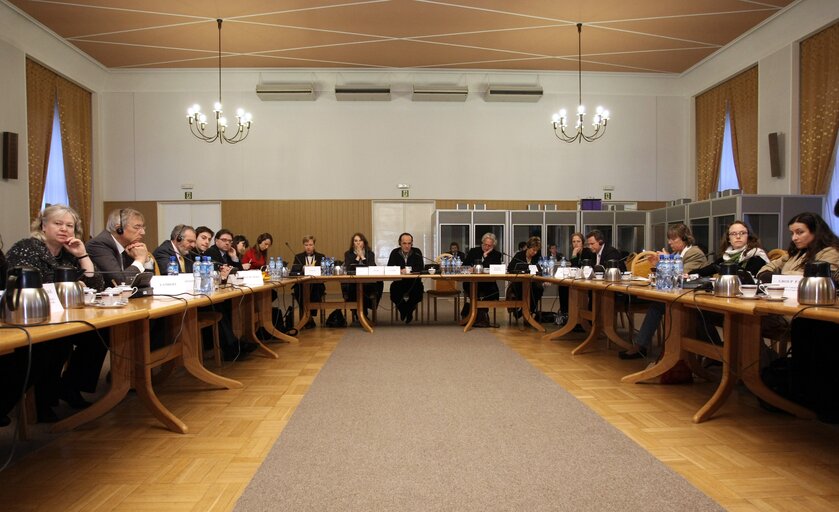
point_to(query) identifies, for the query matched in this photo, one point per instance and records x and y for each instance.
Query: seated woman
(738, 245)
(681, 242)
(257, 256)
(360, 255)
(813, 379)
(579, 252)
(529, 256)
(240, 244)
(56, 240)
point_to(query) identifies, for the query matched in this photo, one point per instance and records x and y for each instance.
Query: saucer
(753, 297)
(776, 299)
(118, 304)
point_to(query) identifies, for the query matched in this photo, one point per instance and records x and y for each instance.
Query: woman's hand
(75, 247)
(576, 251)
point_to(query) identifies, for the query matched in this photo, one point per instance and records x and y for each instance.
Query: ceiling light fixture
(601, 116)
(198, 121)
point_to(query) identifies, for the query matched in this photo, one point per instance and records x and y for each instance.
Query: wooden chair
(211, 319)
(640, 264)
(630, 259)
(640, 268)
(442, 288)
(774, 254)
(417, 316)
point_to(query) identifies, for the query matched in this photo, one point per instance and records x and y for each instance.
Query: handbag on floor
(336, 319)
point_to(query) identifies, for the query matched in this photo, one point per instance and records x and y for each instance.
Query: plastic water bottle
(280, 267)
(272, 269)
(678, 270)
(551, 265)
(196, 275)
(207, 276)
(173, 268)
(563, 266)
(666, 272)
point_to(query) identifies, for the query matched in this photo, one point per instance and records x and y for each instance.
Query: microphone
(515, 267)
(294, 256)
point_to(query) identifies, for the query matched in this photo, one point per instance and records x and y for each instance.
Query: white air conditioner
(514, 93)
(286, 92)
(440, 93)
(362, 92)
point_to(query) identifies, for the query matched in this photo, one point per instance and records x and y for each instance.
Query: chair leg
(216, 345)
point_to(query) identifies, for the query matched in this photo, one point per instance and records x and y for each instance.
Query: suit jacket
(610, 253)
(164, 251)
(475, 256)
(415, 260)
(693, 259)
(520, 262)
(106, 257)
(219, 258)
(300, 260)
(350, 261)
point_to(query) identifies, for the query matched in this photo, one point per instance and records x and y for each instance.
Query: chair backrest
(774, 254)
(445, 285)
(630, 259)
(641, 265)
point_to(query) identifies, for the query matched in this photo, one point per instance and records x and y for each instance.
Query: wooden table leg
(596, 324)
(750, 345)
(473, 309)
(574, 302)
(307, 314)
(359, 305)
(141, 379)
(265, 313)
(191, 347)
(525, 307)
(122, 358)
(251, 317)
(729, 363)
(675, 317)
(607, 319)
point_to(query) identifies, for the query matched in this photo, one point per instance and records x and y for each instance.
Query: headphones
(120, 229)
(180, 236)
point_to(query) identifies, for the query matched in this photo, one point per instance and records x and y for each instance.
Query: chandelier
(560, 119)
(198, 120)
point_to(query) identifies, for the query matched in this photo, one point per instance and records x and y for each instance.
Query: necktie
(181, 262)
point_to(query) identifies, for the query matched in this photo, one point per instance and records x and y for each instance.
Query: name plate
(392, 271)
(362, 271)
(171, 285)
(789, 282)
(376, 270)
(311, 270)
(533, 269)
(55, 304)
(497, 269)
(251, 277)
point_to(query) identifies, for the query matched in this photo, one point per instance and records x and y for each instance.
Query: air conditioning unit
(286, 92)
(440, 93)
(515, 93)
(362, 92)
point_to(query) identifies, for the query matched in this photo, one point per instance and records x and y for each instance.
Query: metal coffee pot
(817, 288)
(613, 271)
(728, 283)
(70, 291)
(25, 302)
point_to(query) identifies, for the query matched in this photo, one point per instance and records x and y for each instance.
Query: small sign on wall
(187, 195)
(406, 193)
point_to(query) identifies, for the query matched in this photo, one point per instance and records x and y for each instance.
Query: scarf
(741, 255)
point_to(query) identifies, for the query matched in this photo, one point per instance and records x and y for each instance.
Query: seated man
(223, 252)
(118, 251)
(181, 242)
(308, 258)
(406, 293)
(484, 255)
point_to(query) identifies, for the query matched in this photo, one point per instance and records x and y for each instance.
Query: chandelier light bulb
(248, 117)
(217, 106)
(555, 118)
(581, 109)
(599, 110)
(203, 119)
(240, 112)
(190, 112)
(606, 114)
(563, 112)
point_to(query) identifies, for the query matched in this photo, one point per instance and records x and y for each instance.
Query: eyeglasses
(225, 240)
(738, 233)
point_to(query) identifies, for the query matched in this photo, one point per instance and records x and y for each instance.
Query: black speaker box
(9, 156)
(775, 154)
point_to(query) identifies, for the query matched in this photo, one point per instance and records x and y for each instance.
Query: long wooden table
(131, 357)
(359, 281)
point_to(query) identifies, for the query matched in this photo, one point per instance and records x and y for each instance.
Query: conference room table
(131, 356)
(468, 323)
(741, 323)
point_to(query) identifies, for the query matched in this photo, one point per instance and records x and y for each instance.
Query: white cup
(748, 290)
(432, 270)
(407, 270)
(110, 297)
(774, 291)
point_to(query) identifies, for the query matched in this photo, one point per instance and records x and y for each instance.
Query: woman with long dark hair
(257, 256)
(360, 255)
(812, 240)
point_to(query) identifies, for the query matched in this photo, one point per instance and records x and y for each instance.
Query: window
(832, 194)
(55, 185)
(728, 174)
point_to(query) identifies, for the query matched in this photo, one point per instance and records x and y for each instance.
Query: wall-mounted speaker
(9, 156)
(775, 154)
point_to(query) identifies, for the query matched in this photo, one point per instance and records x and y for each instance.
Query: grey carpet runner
(430, 418)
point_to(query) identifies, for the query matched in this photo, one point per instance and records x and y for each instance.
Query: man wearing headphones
(118, 252)
(181, 242)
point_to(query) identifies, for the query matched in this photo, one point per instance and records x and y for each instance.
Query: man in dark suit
(223, 252)
(181, 242)
(602, 251)
(309, 258)
(485, 255)
(406, 293)
(118, 251)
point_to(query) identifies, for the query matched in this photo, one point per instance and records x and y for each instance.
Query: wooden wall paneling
(149, 210)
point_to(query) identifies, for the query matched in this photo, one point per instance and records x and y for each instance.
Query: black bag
(336, 319)
(778, 377)
(288, 319)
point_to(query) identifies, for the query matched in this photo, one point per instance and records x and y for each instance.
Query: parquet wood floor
(744, 458)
